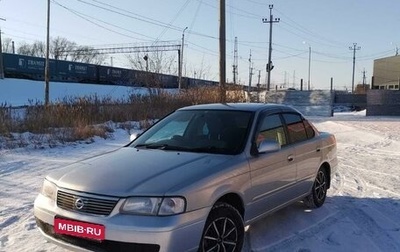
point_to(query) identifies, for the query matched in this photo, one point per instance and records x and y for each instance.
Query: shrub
(73, 118)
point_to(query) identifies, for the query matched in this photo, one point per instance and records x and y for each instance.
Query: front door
(272, 174)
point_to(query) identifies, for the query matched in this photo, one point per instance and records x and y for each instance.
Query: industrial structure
(387, 73)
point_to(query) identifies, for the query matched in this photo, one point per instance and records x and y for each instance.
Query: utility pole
(222, 51)
(284, 81)
(250, 73)
(309, 67)
(354, 48)
(1, 59)
(269, 64)
(1, 55)
(47, 67)
(258, 86)
(235, 62)
(364, 79)
(181, 59)
(294, 79)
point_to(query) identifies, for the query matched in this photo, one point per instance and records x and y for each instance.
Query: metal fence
(383, 103)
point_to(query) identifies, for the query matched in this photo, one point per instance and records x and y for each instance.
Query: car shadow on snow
(343, 223)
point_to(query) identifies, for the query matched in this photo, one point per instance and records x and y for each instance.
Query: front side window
(271, 129)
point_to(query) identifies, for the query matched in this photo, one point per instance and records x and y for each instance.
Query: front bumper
(125, 232)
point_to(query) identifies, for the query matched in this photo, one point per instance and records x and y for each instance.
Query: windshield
(211, 131)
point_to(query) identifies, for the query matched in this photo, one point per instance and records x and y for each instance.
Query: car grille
(92, 205)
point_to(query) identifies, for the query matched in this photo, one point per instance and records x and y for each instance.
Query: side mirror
(268, 146)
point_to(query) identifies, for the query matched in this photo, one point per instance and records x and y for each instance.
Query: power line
(132, 15)
(138, 17)
(248, 14)
(87, 18)
(304, 30)
(173, 20)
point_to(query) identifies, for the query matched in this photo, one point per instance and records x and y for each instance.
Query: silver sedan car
(191, 182)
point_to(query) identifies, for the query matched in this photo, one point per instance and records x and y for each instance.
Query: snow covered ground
(18, 92)
(361, 212)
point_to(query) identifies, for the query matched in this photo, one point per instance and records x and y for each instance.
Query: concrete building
(387, 73)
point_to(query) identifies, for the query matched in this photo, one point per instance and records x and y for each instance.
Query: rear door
(307, 151)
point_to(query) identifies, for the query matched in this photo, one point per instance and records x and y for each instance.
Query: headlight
(170, 206)
(49, 189)
(153, 206)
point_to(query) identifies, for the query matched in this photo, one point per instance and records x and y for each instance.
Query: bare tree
(38, 49)
(200, 72)
(7, 45)
(155, 62)
(59, 48)
(25, 49)
(87, 54)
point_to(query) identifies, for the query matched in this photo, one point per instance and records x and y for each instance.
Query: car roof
(252, 107)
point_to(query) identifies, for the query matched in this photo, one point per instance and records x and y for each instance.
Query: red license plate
(80, 229)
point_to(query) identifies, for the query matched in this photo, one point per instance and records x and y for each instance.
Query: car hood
(130, 171)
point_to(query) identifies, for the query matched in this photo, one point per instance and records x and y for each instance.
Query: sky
(361, 212)
(328, 28)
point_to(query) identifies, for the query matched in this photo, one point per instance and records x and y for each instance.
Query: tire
(223, 231)
(318, 194)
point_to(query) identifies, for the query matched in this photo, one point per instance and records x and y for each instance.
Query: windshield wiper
(151, 146)
(204, 149)
(210, 149)
(161, 147)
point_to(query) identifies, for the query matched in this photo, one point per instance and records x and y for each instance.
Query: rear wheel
(224, 230)
(318, 194)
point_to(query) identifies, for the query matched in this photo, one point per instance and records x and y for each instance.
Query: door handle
(290, 158)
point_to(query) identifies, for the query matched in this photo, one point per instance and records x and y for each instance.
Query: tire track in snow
(349, 210)
(290, 242)
(375, 232)
(388, 210)
(353, 184)
(9, 221)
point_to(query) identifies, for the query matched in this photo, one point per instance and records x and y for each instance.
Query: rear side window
(309, 129)
(296, 129)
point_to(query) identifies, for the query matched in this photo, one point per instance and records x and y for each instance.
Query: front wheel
(318, 194)
(224, 230)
